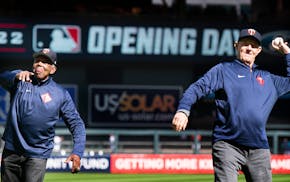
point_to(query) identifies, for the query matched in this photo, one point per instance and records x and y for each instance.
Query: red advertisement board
(161, 163)
(179, 163)
(280, 164)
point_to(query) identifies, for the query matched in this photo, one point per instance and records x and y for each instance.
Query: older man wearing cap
(38, 102)
(244, 98)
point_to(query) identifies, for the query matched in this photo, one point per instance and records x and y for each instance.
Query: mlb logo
(59, 38)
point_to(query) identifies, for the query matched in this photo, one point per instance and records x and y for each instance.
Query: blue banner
(88, 164)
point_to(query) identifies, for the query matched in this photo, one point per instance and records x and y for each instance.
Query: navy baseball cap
(48, 53)
(250, 33)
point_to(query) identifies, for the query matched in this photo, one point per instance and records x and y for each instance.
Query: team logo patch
(46, 98)
(59, 38)
(260, 80)
(251, 31)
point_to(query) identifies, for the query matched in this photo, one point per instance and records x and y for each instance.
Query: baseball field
(92, 177)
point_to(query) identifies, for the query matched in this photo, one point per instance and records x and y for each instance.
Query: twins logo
(46, 98)
(59, 38)
(260, 80)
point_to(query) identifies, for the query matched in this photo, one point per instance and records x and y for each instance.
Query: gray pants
(18, 168)
(229, 159)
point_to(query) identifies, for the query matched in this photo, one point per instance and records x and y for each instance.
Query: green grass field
(90, 177)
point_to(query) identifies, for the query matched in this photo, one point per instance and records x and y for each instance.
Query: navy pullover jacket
(247, 98)
(35, 108)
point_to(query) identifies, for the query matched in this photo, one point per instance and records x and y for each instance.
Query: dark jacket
(35, 109)
(246, 103)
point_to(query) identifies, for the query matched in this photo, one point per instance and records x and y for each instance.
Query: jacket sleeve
(75, 124)
(288, 64)
(7, 79)
(209, 83)
(282, 84)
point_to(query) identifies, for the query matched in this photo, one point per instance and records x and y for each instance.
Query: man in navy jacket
(37, 103)
(242, 110)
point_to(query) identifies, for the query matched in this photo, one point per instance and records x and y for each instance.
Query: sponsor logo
(241, 76)
(59, 38)
(132, 104)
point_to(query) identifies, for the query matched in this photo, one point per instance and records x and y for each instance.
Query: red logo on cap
(251, 31)
(45, 51)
